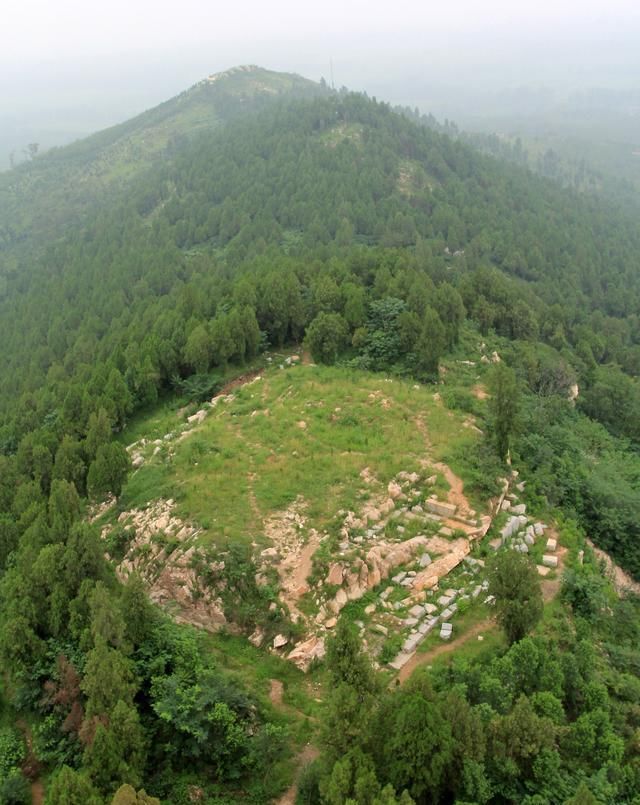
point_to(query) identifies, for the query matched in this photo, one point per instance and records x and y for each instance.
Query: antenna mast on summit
(333, 86)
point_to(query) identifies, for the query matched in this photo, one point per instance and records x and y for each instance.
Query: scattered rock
(280, 640)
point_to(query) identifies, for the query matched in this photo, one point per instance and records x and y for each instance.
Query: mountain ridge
(82, 173)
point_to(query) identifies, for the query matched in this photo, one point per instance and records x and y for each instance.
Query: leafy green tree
(69, 464)
(415, 745)
(503, 407)
(127, 795)
(582, 797)
(99, 432)
(430, 345)
(108, 472)
(108, 679)
(8, 538)
(198, 349)
(352, 779)
(70, 787)
(326, 337)
(515, 583)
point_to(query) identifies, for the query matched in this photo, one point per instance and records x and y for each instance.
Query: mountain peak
(241, 68)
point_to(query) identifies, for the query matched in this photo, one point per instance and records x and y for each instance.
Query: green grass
(252, 456)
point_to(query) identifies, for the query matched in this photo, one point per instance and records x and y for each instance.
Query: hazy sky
(44, 29)
(71, 66)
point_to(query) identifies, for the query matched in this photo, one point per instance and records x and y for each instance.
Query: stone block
(519, 508)
(550, 561)
(400, 661)
(411, 643)
(438, 507)
(425, 560)
(417, 611)
(552, 544)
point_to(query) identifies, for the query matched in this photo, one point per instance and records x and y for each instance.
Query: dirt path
(253, 503)
(304, 757)
(445, 648)
(308, 755)
(622, 581)
(276, 691)
(294, 571)
(455, 495)
(242, 380)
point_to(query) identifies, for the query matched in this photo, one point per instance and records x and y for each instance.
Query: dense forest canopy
(378, 241)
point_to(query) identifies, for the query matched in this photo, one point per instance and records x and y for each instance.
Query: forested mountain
(54, 189)
(148, 261)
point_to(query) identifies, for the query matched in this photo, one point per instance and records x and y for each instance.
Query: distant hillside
(64, 183)
(244, 235)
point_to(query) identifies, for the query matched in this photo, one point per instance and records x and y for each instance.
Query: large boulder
(304, 653)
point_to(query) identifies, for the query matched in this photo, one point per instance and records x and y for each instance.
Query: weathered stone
(280, 640)
(430, 608)
(410, 621)
(425, 560)
(331, 623)
(538, 529)
(411, 644)
(399, 577)
(417, 611)
(529, 539)
(394, 489)
(506, 505)
(550, 561)
(386, 507)
(444, 600)
(198, 417)
(438, 507)
(369, 610)
(552, 544)
(446, 614)
(378, 627)
(400, 661)
(304, 653)
(256, 638)
(335, 574)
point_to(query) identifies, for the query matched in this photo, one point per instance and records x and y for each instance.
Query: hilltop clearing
(307, 470)
(328, 489)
